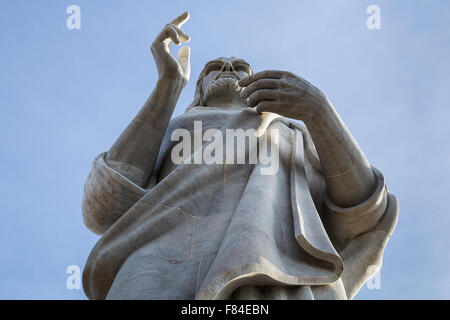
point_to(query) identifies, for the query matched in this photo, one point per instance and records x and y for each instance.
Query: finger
(181, 19)
(260, 84)
(184, 60)
(268, 74)
(183, 36)
(259, 95)
(171, 34)
(266, 106)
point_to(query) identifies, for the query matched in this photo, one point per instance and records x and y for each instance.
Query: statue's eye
(213, 67)
(241, 68)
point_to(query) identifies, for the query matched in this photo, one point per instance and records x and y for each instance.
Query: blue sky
(66, 95)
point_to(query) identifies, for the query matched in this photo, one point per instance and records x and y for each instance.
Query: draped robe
(226, 231)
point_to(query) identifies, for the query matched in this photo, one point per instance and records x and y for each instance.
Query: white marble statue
(215, 225)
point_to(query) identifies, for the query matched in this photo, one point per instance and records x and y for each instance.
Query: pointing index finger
(268, 74)
(181, 19)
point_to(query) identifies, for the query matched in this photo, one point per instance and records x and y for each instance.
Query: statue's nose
(227, 67)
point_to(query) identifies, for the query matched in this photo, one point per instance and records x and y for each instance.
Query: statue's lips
(227, 76)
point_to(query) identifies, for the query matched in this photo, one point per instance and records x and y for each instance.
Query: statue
(181, 218)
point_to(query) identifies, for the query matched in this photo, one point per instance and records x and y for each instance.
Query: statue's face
(222, 76)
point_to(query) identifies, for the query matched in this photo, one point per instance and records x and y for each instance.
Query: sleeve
(108, 194)
(361, 233)
(348, 223)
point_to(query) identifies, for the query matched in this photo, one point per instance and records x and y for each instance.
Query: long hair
(198, 96)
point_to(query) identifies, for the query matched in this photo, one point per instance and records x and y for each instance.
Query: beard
(222, 87)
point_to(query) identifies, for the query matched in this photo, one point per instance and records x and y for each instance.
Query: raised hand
(283, 93)
(167, 66)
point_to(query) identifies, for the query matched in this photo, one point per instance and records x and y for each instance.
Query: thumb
(184, 56)
(264, 106)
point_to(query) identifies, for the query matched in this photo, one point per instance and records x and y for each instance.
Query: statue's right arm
(138, 146)
(119, 177)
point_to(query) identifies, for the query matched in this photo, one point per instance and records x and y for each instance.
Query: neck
(226, 101)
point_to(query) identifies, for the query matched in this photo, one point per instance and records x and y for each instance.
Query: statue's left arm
(349, 177)
(360, 214)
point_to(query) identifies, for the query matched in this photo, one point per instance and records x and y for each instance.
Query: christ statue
(257, 191)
